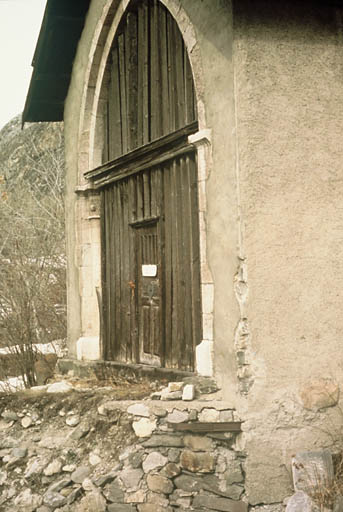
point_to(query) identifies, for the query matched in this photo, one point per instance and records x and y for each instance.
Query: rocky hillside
(23, 152)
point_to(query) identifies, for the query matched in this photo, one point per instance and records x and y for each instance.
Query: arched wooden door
(151, 311)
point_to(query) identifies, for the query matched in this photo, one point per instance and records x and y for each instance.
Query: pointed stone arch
(91, 136)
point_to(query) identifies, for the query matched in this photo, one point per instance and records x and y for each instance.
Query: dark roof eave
(52, 63)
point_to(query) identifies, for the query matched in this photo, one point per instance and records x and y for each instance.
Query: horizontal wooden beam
(197, 426)
(143, 157)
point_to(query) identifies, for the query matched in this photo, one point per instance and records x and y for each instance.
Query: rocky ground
(51, 441)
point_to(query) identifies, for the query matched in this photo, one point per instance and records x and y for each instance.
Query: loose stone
(54, 499)
(154, 461)
(157, 483)
(139, 410)
(144, 427)
(53, 468)
(131, 478)
(197, 462)
(26, 422)
(188, 392)
(80, 474)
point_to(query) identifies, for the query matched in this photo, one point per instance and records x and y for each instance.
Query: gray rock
(26, 422)
(177, 416)
(80, 431)
(197, 462)
(43, 508)
(114, 493)
(105, 479)
(80, 474)
(9, 415)
(131, 478)
(171, 470)
(27, 501)
(53, 468)
(54, 499)
(301, 502)
(35, 466)
(74, 495)
(19, 453)
(59, 387)
(163, 440)
(3, 477)
(59, 485)
(136, 459)
(158, 483)
(188, 392)
(139, 410)
(73, 420)
(220, 504)
(154, 461)
(234, 473)
(173, 455)
(312, 469)
(198, 443)
(338, 505)
(189, 483)
(92, 502)
(118, 507)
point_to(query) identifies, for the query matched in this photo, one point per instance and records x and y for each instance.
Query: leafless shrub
(32, 257)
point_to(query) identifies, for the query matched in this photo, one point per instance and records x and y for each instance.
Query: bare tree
(32, 257)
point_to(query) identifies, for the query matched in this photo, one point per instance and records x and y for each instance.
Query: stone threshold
(105, 369)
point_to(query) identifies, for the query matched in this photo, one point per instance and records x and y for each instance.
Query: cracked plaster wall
(289, 111)
(273, 100)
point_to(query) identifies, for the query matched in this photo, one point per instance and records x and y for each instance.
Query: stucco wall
(289, 92)
(269, 76)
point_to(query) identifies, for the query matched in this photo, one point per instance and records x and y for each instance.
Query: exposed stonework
(68, 469)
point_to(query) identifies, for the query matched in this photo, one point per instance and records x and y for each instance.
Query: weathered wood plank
(171, 72)
(186, 271)
(146, 153)
(146, 110)
(123, 91)
(115, 120)
(131, 58)
(179, 105)
(155, 81)
(163, 64)
(167, 259)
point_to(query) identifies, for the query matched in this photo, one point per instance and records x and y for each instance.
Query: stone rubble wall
(95, 454)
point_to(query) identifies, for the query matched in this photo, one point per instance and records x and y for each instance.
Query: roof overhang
(52, 63)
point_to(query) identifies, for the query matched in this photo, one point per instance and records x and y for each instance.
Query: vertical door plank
(146, 109)
(131, 66)
(171, 72)
(180, 118)
(126, 289)
(140, 73)
(155, 90)
(163, 64)
(195, 256)
(176, 341)
(146, 193)
(140, 197)
(167, 294)
(123, 91)
(187, 273)
(115, 119)
(112, 271)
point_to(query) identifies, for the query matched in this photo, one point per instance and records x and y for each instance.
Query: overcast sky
(20, 22)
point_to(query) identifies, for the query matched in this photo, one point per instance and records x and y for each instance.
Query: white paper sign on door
(149, 270)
